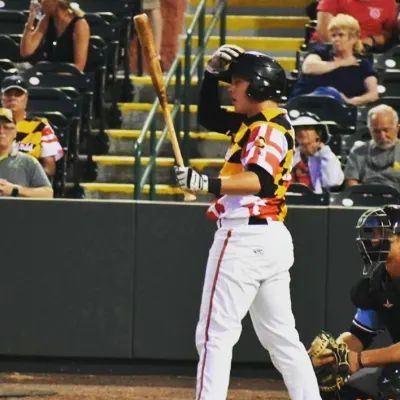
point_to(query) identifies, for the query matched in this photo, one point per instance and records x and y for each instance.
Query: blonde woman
(63, 33)
(339, 70)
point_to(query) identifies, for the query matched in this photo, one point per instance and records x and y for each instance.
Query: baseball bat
(146, 39)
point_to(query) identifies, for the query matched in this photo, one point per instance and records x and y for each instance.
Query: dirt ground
(113, 387)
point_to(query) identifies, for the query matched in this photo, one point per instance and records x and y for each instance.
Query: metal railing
(181, 98)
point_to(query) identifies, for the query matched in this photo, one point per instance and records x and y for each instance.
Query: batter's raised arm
(210, 113)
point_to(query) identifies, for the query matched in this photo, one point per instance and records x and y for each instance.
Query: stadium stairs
(275, 27)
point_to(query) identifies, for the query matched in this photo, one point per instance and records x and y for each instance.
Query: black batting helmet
(375, 227)
(266, 76)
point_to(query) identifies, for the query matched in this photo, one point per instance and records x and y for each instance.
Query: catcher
(345, 368)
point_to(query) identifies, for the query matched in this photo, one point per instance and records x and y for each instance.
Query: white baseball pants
(248, 270)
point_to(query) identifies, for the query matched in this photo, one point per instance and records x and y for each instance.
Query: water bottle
(39, 13)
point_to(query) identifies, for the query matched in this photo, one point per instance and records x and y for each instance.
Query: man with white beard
(378, 160)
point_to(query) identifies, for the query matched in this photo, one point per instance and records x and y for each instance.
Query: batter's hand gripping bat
(146, 39)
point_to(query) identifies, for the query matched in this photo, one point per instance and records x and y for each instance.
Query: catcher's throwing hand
(352, 358)
(191, 180)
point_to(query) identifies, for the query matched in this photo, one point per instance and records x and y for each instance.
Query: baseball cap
(310, 119)
(7, 114)
(13, 82)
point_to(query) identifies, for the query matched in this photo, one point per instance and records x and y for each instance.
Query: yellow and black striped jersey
(36, 137)
(266, 140)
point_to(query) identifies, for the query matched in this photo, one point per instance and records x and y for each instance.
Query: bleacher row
(79, 105)
(348, 124)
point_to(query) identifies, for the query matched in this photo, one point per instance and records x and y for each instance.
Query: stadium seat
(389, 83)
(15, 4)
(12, 21)
(97, 64)
(369, 195)
(300, 194)
(68, 102)
(7, 65)
(389, 60)
(124, 10)
(61, 75)
(328, 109)
(110, 33)
(9, 48)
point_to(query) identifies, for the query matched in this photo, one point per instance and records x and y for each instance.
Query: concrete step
(144, 90)
(135, 114)
(120, 169)
(258, 7)
(272, 45)
(204, 144)
(252, 25)
(125, 191)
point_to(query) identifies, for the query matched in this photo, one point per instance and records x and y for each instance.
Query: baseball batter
(249, 261)
(375, 373)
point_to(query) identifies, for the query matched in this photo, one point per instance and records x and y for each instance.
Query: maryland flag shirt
(266, 140)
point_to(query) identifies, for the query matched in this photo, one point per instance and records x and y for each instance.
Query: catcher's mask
(389, 382)
(375, 229)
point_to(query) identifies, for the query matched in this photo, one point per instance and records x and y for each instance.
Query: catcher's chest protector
(382, 295)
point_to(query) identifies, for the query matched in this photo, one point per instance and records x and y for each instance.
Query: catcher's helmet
(375, 228)
(266, 76)
(389, 382)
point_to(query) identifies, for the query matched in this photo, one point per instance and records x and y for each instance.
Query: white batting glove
(191, 180)
(222, 57)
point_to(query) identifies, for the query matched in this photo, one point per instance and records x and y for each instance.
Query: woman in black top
(62, 32)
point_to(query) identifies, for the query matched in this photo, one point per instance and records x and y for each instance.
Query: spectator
(314, 163)
(153, 10)
(62, 33)
(340, 71)
(378, 160)
(34, 135)
(20, 174)
(377, 19)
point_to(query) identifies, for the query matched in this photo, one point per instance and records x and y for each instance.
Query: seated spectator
(314, 163)
(21, 175)
(340, 70)
(378, 160)
(35, 136)
(377, 19)
(62, 33)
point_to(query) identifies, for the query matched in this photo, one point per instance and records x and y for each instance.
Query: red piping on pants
(210, 310)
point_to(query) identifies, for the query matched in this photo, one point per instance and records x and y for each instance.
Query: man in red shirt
(377, 18)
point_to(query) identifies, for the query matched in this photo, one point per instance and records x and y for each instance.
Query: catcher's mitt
(331, 376)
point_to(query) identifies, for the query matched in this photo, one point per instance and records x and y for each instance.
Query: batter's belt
(232, 222)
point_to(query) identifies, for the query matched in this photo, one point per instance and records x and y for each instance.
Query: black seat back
(9, 48)
(370, 195)
(16, 4)
(327, 109)
(389, 82)
(12, 21)
(55, 99)
(300, 194)
(47, 74)
(117, 7)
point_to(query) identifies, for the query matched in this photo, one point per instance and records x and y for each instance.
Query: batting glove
(222, 57)
(188, 179)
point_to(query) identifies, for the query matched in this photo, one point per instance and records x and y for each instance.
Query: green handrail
(181, 100)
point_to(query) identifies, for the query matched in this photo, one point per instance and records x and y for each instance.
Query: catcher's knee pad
(389, 382)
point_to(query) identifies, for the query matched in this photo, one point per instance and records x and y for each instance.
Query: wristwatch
(15, 192)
